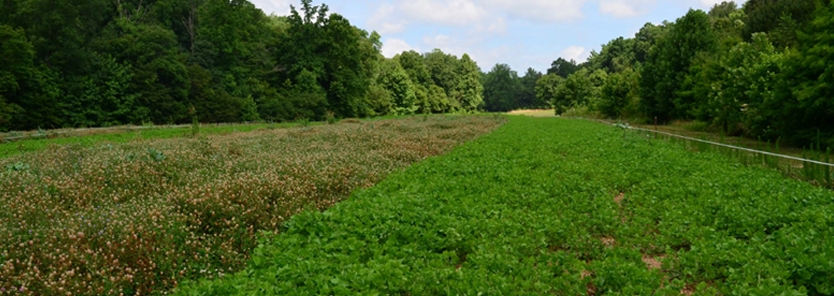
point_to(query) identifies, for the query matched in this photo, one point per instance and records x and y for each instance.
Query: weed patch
(139, 218)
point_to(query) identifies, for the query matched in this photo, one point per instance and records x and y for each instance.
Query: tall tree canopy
(668, 64)
(501, 89)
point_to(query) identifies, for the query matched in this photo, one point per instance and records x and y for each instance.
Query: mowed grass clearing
(556, 206)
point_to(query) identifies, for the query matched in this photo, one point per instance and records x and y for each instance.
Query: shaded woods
(74, 63)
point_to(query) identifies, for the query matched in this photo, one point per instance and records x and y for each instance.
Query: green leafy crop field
(139, 217)
(555, 206)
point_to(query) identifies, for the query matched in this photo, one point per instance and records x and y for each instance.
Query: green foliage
(160, 77)
(330, 117)
(501, 89)
(668, 63)
(29, 91)
(807, 110)
(379, 100)
(561, 206)
(563, 68)
(413, 64)
(546, 88)
(72, 63)
(645, 39)
(155, 155)
(438, 101)
(249, 110)
(398, 84)
(212, 103)
(527, 95)
(442, 69)
(346, 80)
(469, 92)
(783, 17)
(105, 98)
(577, 90)
(618, 95)
(751, 75)
(615, 56)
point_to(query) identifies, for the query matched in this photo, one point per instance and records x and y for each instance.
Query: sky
(521, 33)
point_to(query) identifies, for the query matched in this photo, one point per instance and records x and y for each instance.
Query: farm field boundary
(88, 137)
(788, 157)
(556, 206)
(816, 171)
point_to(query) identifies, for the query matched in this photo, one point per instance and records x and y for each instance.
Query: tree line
(88, 63)
(760, 70)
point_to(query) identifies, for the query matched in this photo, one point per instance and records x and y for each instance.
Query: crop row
(555, 206)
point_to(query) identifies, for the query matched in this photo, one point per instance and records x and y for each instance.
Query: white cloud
(574, 53)
(278, 7)
(453, 12)
(393, 46)
(539, 10)
(439, 41)
(626, 8)
(497, 26)
(711, 3)
(383, 22)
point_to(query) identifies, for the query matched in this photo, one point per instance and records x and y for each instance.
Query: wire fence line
(733, 147)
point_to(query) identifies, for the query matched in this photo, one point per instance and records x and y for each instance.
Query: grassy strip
(555, 206)
(138, 218)
(9, 149)
(116, 135)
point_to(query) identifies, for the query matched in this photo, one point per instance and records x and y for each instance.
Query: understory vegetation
(139, 218)
(556, 206)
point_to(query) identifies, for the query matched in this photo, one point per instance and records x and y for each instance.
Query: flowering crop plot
(138, 218)
(554, 206)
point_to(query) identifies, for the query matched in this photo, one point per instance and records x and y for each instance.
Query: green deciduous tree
(645, 39)
(413, 64)
(527, 94)
(232, 35)
(615, 56)
(396, 81)
(501, 89)
(751, 75)
(668, 64)
(443, 70)
(619, 94)
(211, 103)
(546, 88)
(785, 16)
(577, 90)
(810, 109)
(563, 68)
(160, 77)
(102, 98)
(468, 93)
(30, 92)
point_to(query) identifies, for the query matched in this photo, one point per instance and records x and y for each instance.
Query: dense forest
(759, 70)
(85, 63)
(763, 70)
